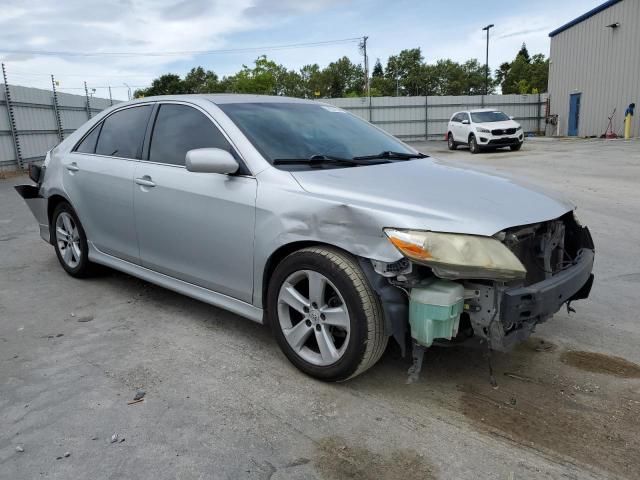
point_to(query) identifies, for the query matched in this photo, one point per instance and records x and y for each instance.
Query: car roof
(477, 110)
(224, 98)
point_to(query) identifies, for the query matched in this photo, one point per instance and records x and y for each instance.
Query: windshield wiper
(391, 155)
(318, 160)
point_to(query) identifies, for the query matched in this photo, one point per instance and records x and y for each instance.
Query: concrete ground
(222, 401)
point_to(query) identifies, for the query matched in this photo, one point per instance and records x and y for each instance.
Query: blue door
(574, 114)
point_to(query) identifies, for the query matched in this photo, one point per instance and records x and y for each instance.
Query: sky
(84, 39)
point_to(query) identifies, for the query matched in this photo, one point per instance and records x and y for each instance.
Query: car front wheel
(451, 142)
(70, 241)
(473, 144)
(515, 148)
(324, 314)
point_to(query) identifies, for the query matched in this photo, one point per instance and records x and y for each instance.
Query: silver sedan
(301, 215)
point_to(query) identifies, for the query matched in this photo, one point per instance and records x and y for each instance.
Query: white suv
(484, 129)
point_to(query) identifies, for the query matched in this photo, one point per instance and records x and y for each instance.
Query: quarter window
(123, 132)
(178, 129)
(88, 144)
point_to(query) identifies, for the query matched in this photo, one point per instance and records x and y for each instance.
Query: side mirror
(211, 160)
(465, 122)
(510, 117)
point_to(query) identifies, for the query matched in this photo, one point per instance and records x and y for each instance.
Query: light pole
(128, 90)
(486, 65)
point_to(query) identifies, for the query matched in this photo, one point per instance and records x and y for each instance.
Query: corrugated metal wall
(36, 123)
(410, 118)
(603, 64)
(417, 118)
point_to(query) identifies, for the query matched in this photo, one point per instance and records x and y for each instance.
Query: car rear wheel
(517, 147)
(70, 241)
(324, 314)
(473, 144)
(451, 142)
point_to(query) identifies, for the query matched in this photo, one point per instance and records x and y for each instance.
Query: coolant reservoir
(434, 311)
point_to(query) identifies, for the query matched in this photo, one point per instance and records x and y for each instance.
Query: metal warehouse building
(595, 68)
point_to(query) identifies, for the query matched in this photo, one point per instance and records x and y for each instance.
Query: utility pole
(363, 46)
(486, 65)
(56, 108)
(12, 119)
(86, 94)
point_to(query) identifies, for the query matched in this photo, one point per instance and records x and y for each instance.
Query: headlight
(483, 130)
(455, 256)
(519, 127)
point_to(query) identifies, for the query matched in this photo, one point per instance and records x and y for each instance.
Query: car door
(455, 126)
(464, 128)
(196, 227)
(98, 178)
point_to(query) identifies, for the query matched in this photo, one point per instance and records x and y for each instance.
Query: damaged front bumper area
(507, 316)
(557, 257)
(35, 201)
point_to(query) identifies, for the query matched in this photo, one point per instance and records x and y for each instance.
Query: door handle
(145, 181)
(73, 167)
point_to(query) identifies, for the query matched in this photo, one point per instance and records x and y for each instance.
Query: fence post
(426, 117)
(12, 120)
(56, 109)
(86, 94)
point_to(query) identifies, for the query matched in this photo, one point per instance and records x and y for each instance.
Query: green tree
(378, 71)
(524, 74)
(342, 78)
(407, 72)
(200, 81)
(168, 84)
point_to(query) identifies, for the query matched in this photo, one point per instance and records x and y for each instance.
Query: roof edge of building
(583, 17)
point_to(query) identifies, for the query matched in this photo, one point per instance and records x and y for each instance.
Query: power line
(62, 53)
(79, 75)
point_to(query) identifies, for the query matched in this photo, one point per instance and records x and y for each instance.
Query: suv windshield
(299, 131)
(486, 117)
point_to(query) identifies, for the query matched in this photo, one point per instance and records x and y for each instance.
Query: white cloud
(112, 26)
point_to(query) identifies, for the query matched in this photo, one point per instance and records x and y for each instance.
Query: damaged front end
(453, 287)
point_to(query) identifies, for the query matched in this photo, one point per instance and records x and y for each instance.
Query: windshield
(303, 130)
(486, 117)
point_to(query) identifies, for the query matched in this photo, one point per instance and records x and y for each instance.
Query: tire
(451, 144)
(359, 339)
(515, 148)
(473, 144)
(70, 242)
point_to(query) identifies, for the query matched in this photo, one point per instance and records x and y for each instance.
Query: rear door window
(180, 128)
(122, 133)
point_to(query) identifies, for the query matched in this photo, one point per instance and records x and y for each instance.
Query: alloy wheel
(68, 240)
(313, 317)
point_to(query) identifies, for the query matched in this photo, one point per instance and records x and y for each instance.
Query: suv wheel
(515, 148)
(473, 144)
(324, 314)
(70, 241)
(451, 142)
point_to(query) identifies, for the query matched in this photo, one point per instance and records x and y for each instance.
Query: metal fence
(32, 121)
(420, 118)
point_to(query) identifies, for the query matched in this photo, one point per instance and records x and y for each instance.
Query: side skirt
(194, 291)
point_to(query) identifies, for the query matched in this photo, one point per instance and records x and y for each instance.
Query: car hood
(428, 195)
(498, 125)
